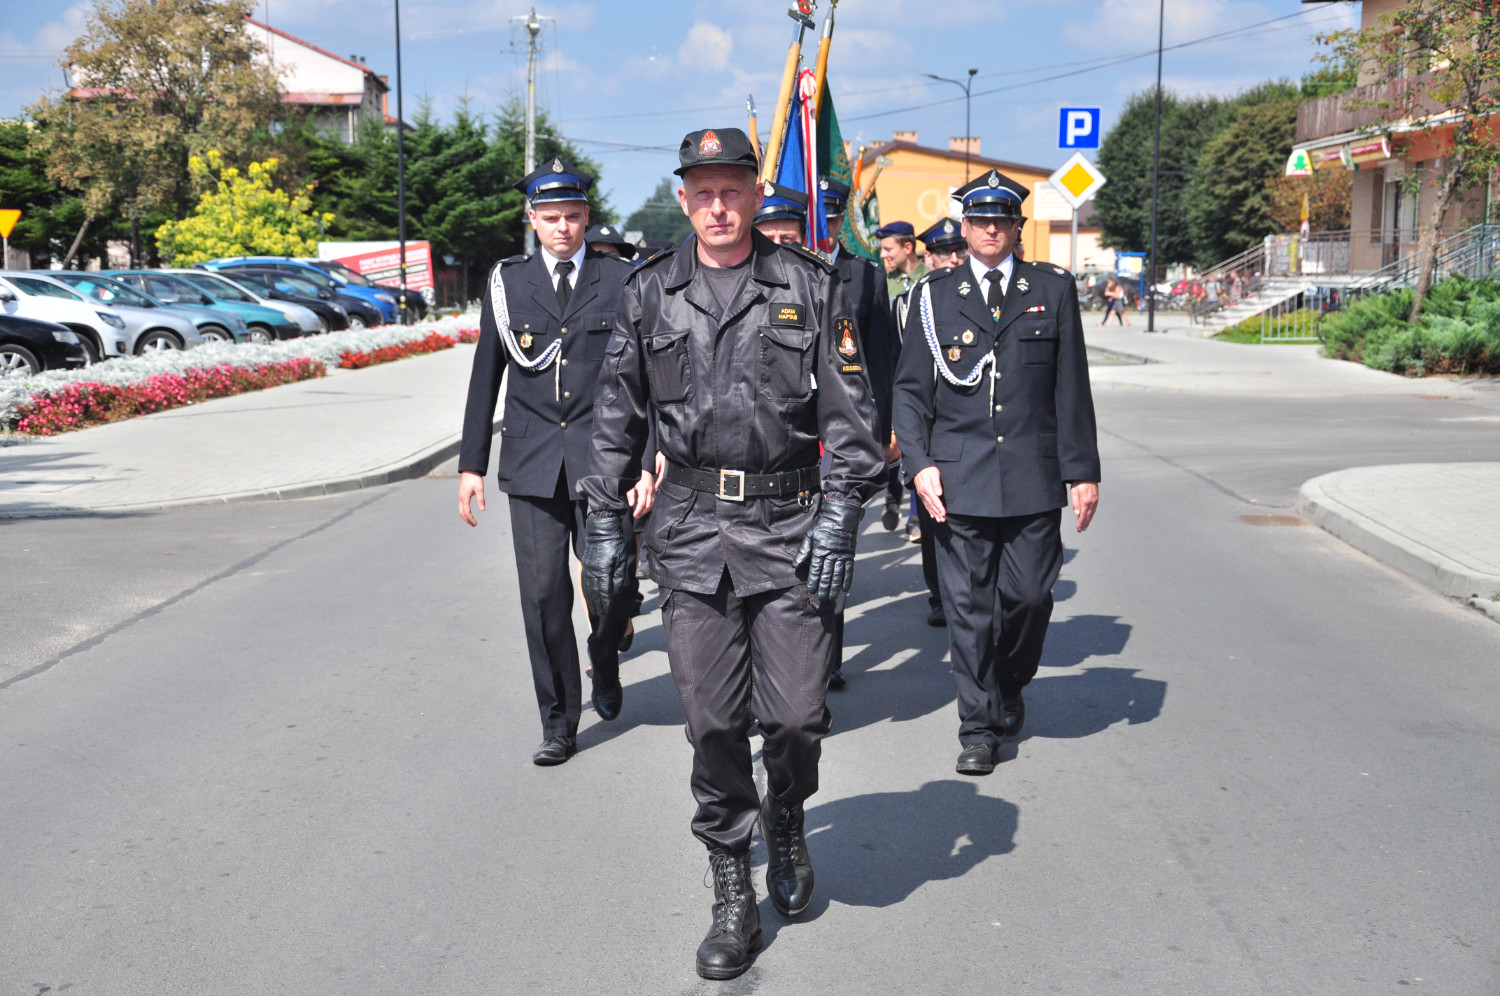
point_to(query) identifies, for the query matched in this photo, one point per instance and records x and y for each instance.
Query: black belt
(736, 485)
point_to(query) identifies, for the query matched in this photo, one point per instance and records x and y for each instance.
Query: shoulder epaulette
(519, 257)
(636, 268)
(808, 254)
(1048, 268)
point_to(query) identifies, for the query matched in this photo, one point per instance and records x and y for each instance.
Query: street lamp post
(400, 171)
(966, 85)
(1161, 26)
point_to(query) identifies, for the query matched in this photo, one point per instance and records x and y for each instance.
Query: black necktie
(995, 298)
(564, 289)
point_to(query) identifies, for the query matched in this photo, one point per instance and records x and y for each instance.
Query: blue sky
(626, 79)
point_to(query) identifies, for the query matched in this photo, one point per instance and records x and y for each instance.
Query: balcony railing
(1350, 111)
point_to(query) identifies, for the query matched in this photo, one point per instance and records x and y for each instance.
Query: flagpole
(784, 95)
(820, 72)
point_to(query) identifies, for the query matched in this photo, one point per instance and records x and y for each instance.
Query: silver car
(226, 289)
(149, 329)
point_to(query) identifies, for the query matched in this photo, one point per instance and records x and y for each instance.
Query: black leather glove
(828, 549)
(603, 561)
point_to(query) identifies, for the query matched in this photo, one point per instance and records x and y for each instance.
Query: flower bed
(135, 372)
(82, 404)
(435, 341)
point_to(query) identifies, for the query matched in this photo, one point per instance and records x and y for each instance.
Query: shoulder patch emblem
(845, 329)
(787, 314)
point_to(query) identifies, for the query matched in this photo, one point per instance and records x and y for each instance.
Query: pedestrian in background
(1114, 302)
(898, 251)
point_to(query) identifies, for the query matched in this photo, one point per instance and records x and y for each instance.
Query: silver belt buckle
(738, 477)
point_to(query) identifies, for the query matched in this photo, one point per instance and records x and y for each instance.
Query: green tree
(660, 217)
(50, 215)
(244, 214)
(1125, 158)
(1229, 208)
(156, 81)
(1427, 63)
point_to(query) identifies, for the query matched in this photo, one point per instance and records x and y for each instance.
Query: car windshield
(174, 291)
(316, 278)
(217, 287)
(43, 288)
(288, 284)
(346, 274)
(108, 291)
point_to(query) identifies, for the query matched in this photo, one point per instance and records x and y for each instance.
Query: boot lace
(791, 842)
(728, 876)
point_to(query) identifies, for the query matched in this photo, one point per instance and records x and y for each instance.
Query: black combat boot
(735, 934)
(789, 870)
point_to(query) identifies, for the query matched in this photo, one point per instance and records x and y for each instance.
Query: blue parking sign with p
(1078, 128)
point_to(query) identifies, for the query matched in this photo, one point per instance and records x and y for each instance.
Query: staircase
(1273, 291)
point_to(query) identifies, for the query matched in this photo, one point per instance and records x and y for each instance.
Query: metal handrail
(1474, 251)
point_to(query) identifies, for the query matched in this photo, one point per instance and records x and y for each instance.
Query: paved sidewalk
(1439, 522)
(351, 429)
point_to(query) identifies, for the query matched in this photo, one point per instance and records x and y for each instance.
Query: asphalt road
(285, 747)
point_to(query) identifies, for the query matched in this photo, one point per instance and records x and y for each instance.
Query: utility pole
(966, 85)
(400, 174)
(533, 25)
(1161, 26)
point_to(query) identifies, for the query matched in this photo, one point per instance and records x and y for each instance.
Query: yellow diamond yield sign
(8, 219)
(1077, 180)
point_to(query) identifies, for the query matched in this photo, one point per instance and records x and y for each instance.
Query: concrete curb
(1391, 548)
(1121, 356)
(417, 464)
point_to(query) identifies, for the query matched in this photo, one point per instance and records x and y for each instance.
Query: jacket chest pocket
(1038, 343)
(667, 366)
(531, 332)
(786, 363)
(597, 328)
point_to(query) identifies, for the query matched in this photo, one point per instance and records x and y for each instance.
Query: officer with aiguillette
(546, 319)
(745, 353)
(995, 419)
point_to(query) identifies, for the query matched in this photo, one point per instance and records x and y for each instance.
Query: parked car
(28, 346)
(211, 326)
(100, 327)
(149, 329)
(266, 324)
(284, 287)
(383, 300)
(227, 290)
(416, 304)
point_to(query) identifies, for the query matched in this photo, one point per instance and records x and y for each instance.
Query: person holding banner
(546, 319)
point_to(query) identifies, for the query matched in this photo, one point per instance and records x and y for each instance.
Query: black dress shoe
(936, 617)
(555, 750)
(836, 679)
(976, 759)
(735, 935)
(789, 870)
(1013, 711)
(891, 517)
(608, 696)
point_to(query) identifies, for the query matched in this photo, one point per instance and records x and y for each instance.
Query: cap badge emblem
(963, 289)
(1022, 285)
(709, 144)
(968, 337)
(557, 166)
(955, 354)
(994, 181)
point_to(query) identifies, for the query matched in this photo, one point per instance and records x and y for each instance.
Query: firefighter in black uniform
(996, 423)
(546, 319)
(746, 354)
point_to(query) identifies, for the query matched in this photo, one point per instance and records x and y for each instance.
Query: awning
(1349, 150)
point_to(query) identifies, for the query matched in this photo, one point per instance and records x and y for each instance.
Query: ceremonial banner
(798, 169)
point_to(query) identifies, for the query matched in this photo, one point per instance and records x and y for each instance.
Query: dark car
(362, 314)
(28, 346)
(286, 287)
(416, 304)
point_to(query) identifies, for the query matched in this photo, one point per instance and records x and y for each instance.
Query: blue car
(380, 297)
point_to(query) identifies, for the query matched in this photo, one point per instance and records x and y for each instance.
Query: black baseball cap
(716, 147)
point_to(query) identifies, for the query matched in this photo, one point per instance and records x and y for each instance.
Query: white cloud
(707, 46)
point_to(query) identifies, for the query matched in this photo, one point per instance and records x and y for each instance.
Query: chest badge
(1022, 285)
(964, 288)
(968, 337)
(847, 345)
(525, 340)
(995, 313)
(955, 354)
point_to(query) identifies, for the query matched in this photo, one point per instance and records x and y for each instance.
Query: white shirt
(1007, 267)
(551, 261)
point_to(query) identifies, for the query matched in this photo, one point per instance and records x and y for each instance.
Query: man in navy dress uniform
(996, 423)
(547, 319)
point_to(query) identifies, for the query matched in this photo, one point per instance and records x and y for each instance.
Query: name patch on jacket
(787, 314)
(845, 329)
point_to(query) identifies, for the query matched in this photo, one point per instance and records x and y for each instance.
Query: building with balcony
(1394, 167)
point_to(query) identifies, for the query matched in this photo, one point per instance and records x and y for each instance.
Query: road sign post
(1077, 180)
(8, 219)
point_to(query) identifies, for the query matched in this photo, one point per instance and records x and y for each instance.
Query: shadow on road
(877, 849)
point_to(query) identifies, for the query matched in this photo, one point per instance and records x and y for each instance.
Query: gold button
(569, 394)
(999, 408)
(563, 362)
(565, 330)
(562, 425)
(999, 439)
